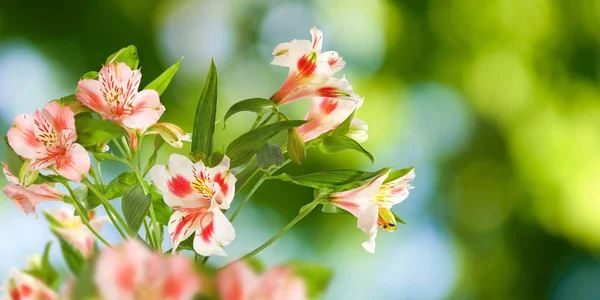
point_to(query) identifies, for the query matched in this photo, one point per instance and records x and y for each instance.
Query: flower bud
(171, 133)
(296, 147)
(358, 130)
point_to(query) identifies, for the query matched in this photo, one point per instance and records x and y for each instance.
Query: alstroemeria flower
(70, 228)
(131, 272)
(115, 97)
(27, 197)
(371, 203)
(326, 114)
(239, 282)
(197, 194)
(48, 139)
(22, 286)
(310, 70)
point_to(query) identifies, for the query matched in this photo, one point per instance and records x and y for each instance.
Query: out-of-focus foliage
(496, 103)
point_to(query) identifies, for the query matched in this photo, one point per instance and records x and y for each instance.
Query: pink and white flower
(239, 282)
(116, 98)
(28, 196)
(371, 203)
(22, 286)
(327, 113)
(197, 194)
(310, 70)
(70, 228)
(131, 271)
(48, 139)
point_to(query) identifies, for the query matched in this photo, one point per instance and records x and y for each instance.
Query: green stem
(99, 174)
(149, 234)
(248, 196)
(303, 213)
(114, 221)
(105, 201)
(83, 216)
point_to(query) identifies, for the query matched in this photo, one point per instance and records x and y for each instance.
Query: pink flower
(371, 203)
(132, 272)
(327, 113)
(239, 282)
(197, 194)
(22, 286)
(70, 228)
(115, 97)
(27, 197)
(48, 139)
(310, 70)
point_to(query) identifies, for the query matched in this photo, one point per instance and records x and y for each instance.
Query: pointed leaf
(269, 155)
(206, 114)
(395, 174)
(72, 256)
(161, 82)
(334, 144)
(13, 160)
(135, 206)
(127, 55)
(344, 128)
(161, 210)
(245, 146)
(90, 75)
(92, 131)
(158, 143)
(258, 106)
(398, 219)
(330, 179)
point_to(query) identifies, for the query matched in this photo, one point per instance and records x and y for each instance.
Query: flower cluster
(51, 153)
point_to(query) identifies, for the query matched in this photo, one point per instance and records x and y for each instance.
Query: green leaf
(334, 144)
(81, 200)
(45, 272)
(395, 174)
(316, 277)
(118, 186)
(127, 55)
(215, 159)
(13, 161)
(161, 210)
(161, 82)
(296, 146)
(398, 219)
(245, 146)
(258, 106)
(206, 115)
(102, 156)
(90, 75)
(344, 128)
(92, 131)
(84, 287)
(269, 155)
(72, 256)
(330, 179)
(135, 206)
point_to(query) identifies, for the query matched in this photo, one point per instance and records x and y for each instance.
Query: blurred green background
(496, 103)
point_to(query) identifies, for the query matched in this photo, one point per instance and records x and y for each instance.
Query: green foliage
(330, 208)
(90, 75)
(135, 205)
(92, 131)
(84, 286)
(296, 146)
(269, 155)
(245, 146)
(127, 55)
(158, 143)
(344, 128)
(161, 82)
(13, 161)
(258, 106)
(315, 276)
(206, 115)
(395, 174)
(161, 210)
(334, 144)
(331, 179)
(45, 272)
(72, 256)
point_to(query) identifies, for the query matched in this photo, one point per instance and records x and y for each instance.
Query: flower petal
(356, 200)
(317, 38)
(237, 281)
(75, 164)
(9, 176)
(281, 55)
(89, 94)
(62, 117)
(217, 234)
(367, 221)
(147, 110)
(21, 138)
(358, 130)
(335, 62)
(181, 226)
(24, 286)
(226, 181)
